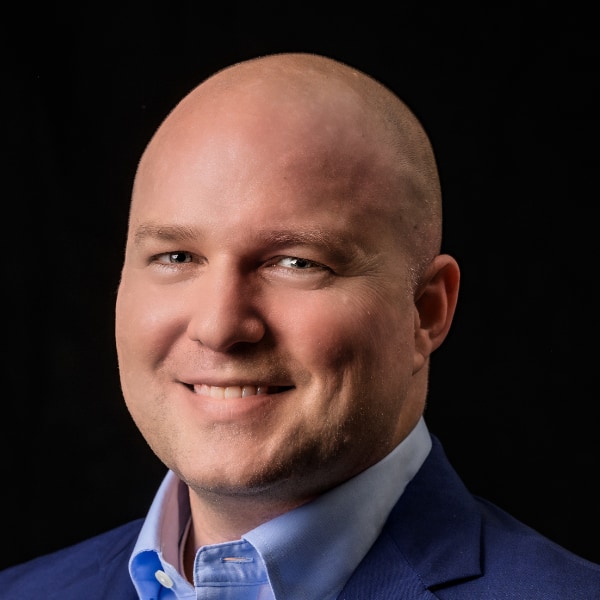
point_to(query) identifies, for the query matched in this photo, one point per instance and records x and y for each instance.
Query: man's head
(282, 289)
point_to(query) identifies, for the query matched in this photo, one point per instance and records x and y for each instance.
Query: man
(281, 295)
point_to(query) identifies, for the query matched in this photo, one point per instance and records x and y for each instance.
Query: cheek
(348, 331)
(145, 325)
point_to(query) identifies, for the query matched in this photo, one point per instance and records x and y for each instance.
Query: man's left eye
(174, 258)
(294, 262)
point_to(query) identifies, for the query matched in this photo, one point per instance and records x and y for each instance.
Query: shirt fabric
(307, 553)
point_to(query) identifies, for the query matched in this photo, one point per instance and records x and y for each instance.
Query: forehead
(241, 143)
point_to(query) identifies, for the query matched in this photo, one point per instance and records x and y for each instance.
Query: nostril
(226, 330)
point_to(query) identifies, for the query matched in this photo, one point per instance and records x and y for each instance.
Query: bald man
(281, 295)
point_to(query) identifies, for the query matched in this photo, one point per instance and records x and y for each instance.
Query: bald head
(354, 126)
(283, 238)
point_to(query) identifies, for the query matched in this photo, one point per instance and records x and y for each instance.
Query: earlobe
(435, 303)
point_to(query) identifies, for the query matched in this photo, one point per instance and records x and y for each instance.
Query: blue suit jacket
(439, 542)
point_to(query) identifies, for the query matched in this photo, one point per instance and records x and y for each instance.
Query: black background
(509, 96)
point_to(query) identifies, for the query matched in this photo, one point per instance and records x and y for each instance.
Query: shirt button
(163, 579)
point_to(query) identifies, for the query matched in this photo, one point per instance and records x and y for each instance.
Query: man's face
(264, 323)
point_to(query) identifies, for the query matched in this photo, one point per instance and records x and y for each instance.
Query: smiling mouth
(238, 391)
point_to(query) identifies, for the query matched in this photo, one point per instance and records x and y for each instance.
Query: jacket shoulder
(441, 541)
(88, 569)
(520, 560)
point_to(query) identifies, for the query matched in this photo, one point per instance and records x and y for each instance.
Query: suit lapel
(385, 574)
(431, 538)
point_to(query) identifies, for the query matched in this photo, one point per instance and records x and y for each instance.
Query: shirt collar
(326, 538)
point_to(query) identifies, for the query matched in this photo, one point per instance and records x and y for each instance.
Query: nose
(223, 310)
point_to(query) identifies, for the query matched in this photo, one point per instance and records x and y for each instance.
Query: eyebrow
(169, 233)
(285, 237)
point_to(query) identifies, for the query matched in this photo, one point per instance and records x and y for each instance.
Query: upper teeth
(232, 391)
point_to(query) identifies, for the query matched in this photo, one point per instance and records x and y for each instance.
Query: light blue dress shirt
(306, 554)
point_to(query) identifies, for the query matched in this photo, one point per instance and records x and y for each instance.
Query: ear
(435, 303)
